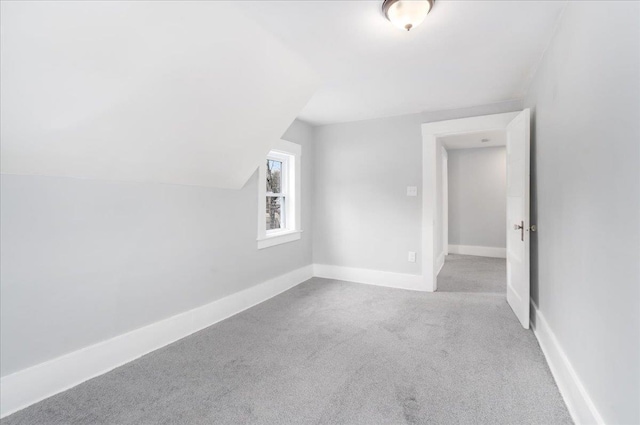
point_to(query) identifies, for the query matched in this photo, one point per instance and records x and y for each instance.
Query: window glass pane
(274, 176)
(275, 212)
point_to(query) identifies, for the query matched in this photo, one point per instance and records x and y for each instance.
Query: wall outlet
(412, 191)
(412, 257)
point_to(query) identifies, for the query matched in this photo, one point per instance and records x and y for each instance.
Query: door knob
(521, 228)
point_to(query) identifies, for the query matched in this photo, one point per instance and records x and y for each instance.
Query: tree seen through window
(275, 196)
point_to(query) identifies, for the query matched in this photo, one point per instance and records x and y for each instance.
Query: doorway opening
(440, 138)
(474, 194)
(472, 232)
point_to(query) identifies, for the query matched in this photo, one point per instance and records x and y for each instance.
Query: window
(276, 196)
(279, 196)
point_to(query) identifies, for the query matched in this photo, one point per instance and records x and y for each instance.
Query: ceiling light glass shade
(406, 14)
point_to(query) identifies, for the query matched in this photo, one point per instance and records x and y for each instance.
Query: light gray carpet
(330, 352)
(464, 273)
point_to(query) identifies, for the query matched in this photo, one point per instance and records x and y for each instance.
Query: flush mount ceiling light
(406, 14)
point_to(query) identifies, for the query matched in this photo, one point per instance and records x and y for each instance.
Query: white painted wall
(86, 260)
(586, 200)
(362, 216)
(477, 197)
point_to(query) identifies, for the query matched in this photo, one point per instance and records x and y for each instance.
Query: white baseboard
(371, 277)
(41, 381)
(480, 251)
(578, 401)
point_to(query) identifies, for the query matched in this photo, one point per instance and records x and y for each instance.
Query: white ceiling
(173, 92)
(466, 53)
(474, 140)
(197, 92)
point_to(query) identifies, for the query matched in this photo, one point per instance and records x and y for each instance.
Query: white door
(518, 216)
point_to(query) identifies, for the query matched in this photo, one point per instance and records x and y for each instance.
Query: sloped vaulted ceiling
(174, 92)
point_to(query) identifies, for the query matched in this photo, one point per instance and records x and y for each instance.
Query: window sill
(279, 238)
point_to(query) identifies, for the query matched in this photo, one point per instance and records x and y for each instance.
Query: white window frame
(289, 154)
